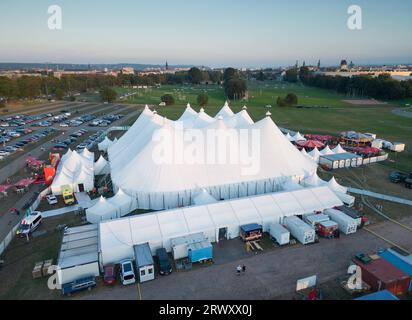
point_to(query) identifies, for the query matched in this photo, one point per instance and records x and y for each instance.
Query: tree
(59, 93)
(261, 76)
(280, 102)
(168, 99)
(202, 99)
(235, 88)
(291, 75)
(291, 99)
(195, 75)
(230, 73)
(108, 94)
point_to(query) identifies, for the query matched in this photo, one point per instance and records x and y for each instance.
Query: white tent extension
(101, 166)
(105, 144)
(101, 211)
(336, 187)
(225, 112)
(123, 203)
(326, 151)
(217, 220)
(169, 184)
(338, 149)
(203, 197)
(75, 170)
(314, 181)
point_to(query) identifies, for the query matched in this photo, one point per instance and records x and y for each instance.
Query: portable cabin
(250, 232)
(303, 232)
(279, 233)
(144, 262)
(200, 251)
(180, 245)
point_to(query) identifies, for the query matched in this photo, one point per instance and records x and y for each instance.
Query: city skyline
(236, 33)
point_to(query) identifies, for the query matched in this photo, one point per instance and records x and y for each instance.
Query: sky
(216, 33)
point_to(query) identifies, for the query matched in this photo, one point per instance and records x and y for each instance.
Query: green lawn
(338, 117)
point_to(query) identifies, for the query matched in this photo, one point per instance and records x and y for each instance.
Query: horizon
(242, 34)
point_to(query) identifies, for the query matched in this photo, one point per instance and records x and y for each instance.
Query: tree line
(382, 87)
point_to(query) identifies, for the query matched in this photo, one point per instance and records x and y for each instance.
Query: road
(270, 275)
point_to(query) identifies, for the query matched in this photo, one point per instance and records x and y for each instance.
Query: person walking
(244, 269)
(238, 270)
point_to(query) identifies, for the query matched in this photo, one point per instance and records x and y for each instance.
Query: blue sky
(209, 32)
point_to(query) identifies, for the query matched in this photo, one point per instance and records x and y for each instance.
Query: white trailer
(303, 232)
(314, 219)
(346, 224)
(279, 233)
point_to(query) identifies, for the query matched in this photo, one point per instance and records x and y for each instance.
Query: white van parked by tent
(30, 223)
(127, 275)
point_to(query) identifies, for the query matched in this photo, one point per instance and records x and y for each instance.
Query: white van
(127, 275)
(30, 223)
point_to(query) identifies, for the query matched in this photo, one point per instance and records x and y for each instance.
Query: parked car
(109, 277)
(51, 199)
(78, 285)
(127, 274)
(165, 267)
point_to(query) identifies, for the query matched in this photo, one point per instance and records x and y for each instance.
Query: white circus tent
(101, 166)
(170, 183)
(338, 149)
(75, 170)
(101, 211)
(105, 144)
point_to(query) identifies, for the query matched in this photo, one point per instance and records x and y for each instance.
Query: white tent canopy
(101, 166)
(335, 186)
(298, 137)
(75, 170)
(338, 149)
(105, 144)
(314, 181)
(315, 154)
(326, 151)
(101, 211)
(289, 137)
(172, 184)
(117, 237)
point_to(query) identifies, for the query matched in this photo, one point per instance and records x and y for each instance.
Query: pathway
(380, 196)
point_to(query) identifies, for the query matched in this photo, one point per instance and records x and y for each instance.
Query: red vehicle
(327, 229)
(109, 278)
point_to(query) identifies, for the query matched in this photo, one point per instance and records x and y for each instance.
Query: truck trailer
(303, 232)
(347, 225)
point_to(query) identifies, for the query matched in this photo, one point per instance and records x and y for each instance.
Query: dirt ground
(21, 256)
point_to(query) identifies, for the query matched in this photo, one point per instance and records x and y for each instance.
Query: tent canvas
(198, 220)
(102, 210)
(223, 216)
(268, 210)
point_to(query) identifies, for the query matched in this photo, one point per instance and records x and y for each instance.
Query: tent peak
(268, 114)
(244, 108)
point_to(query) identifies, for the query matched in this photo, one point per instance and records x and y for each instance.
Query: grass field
(337, 117)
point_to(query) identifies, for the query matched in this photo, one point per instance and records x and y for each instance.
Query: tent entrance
(81, 187)
(222, 233)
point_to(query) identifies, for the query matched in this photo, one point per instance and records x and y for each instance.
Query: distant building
(127, 70)
(344, 65)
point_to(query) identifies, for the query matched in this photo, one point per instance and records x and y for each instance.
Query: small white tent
(105, 144)
(101, 166)
(314, 181)
(315, 154)
(225, 112)
(101, 211)
(203, 197)
(338, 149)
(326, 151)
(298, 137)
(289, 137)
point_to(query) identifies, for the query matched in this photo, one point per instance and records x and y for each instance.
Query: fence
(9, 237)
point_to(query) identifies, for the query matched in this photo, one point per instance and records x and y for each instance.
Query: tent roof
(326, 151)
(335, 186)
(338, 149)
(203, 197)
(225, 112)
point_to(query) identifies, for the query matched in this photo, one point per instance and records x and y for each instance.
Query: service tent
(203, 197)
(224, 217)
(102, 210)
(338, 149)
(101, 166)
(146, 229)
(123, 203)
(246, 211)
(172, 225)
(268, 210)
(326, 151)
(199, 220)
